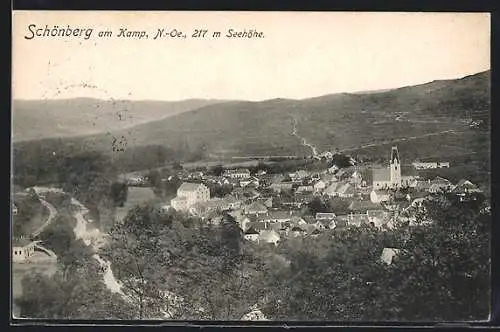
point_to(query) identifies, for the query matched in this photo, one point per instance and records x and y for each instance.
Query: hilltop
(39, 119)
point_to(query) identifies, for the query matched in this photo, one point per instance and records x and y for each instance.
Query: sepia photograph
(250, 166)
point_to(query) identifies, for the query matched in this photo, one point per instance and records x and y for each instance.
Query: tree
(119, 193)
(317, 205)
(217, 170)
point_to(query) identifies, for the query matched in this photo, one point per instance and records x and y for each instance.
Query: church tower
(395, 167)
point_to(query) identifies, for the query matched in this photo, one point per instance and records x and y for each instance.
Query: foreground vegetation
(441, 273)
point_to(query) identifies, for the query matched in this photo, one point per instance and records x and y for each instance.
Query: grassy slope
(344, 121)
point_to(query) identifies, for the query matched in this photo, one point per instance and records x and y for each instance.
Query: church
(391, 177)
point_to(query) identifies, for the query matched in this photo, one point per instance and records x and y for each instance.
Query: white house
(338, 189)
(22, 249)
(378, 217)
(379, 196)
(297, 231)
(251, 234)
(319, 186)
(325, 216)
(189, 194)
(425, 165)
(333, 169)
(304, 189)
(269, 236)
(465, 187)
(388, 255)
(256, 208)
(240, 173)
(299, 175)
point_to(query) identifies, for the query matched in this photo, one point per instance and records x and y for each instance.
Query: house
(443, 164)
(267, 201)
(256, 208)
(430, 165)
(240, 173)
(440, 184)
(356, 178)
(297, 221)
(251, 180)
(320, 225)
(14, 209)
(423, 185)
(388, 255)
(465, 187)
(316, 233)
(333, 169)
(279, 216)
(22, 250)
(325, 216)
(357, 219)
(189, 194)
(232, 202)
(328, 178)
(299, 175)
(251, 234)
(304, 189)
(378, 217)
(332, 224)
(339, 189)
(297, 231)
(291, 202)
(424, 165)
(281, 186)
(363, 206)
(269, 236)
(319, 186)
(379, 196)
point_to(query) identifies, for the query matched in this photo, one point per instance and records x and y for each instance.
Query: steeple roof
(395, 155)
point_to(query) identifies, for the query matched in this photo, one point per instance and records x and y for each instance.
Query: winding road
(303, 140)
(50, 218)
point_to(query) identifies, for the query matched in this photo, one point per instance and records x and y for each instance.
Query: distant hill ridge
(342, 120)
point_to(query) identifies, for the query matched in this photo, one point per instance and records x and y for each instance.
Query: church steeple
(395, 167)
(395, 155)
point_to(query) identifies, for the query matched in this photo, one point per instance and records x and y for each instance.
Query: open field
(19, 270)
(135, 196)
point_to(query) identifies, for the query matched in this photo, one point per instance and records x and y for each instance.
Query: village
(272, 207)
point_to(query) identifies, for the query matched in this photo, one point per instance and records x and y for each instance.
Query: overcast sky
(302, 54)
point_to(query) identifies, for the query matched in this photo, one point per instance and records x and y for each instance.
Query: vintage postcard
(232, 166)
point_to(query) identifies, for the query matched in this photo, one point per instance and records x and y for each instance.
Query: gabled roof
(251, 231)
(441, 180)
(466, 184)
(21, 242)
(379, 214)
(280, 214)
(188, 186)
(381, 174)
(323, 215)
(256, 207)
(364, 205)
(423, 185)
(297, 229)
(269, 236)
